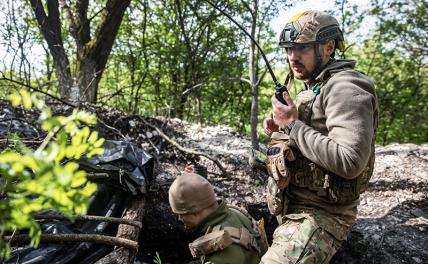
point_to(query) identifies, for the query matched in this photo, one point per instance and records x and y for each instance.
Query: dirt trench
(391, 227)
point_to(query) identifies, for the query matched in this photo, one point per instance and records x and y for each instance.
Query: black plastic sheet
(127, 166)
(129, 172)
(10, 123)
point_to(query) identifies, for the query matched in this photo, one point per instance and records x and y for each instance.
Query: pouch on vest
(326, 184)
(211, 242)
(304, 101)
(258, 239)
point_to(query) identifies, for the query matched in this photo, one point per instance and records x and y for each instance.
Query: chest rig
(307, 174)
(219, 237)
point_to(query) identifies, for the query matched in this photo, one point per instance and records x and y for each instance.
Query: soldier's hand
(283, 114)
(269, 125)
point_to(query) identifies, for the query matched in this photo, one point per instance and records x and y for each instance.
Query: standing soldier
(227, 234)
(322, 151)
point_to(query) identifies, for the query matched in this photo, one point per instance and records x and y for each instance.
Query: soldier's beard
(300, 71)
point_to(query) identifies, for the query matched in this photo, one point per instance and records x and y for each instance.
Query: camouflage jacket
(234, 253)
(334, 140)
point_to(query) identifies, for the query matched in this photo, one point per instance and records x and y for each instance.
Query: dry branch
(186, 150)
(101, 239)
(92, 218)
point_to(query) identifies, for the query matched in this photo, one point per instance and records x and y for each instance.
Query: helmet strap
(289, 81)
(318, 65)
(318, 61)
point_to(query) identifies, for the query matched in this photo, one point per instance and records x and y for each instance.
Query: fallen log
(123, 254)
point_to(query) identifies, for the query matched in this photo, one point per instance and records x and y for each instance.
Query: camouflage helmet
(190, 193)
(311, 27)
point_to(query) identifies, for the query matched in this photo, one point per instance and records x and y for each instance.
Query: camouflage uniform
(332, 146)
(322, 203)
(234, 253)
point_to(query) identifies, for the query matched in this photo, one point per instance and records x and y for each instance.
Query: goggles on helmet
(303, 29)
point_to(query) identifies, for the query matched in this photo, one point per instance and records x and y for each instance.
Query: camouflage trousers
(301, 239)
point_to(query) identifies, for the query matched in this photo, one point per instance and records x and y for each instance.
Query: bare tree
(258, 21)
(92, 52)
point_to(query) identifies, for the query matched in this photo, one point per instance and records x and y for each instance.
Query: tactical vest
(218, 238)
(307, 174)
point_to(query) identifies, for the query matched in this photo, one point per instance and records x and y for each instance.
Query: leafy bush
(45, 178)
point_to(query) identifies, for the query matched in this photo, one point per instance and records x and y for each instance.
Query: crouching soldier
(228, 234)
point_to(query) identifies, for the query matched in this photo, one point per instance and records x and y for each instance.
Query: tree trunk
(88, 76)
(92, 54)
(136, 213)
(254, 81)
(50, 26)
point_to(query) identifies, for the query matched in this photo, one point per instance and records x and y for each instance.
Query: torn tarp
(124, 164)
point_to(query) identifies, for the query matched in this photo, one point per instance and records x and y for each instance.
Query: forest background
(182, 59)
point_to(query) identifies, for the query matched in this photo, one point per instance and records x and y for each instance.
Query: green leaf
(62, 137)
(99, 143)
(93, 138)
(37, 180)
(30, 162)
(71, 167)
(79, 179)
(86, 117)
(85, 133)
(95, 151)
(26, 99)
(17, 167)
(9, 156)
(15, 99)
(89, 189)
(70, 152)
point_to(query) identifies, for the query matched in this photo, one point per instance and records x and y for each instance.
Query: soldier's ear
(328, 48)
(331, 46)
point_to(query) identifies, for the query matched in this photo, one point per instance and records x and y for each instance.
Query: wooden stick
(123, 255)
(115, 220)
(100, 239)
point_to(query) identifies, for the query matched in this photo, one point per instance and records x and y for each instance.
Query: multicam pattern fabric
(321, 204)
(301, 240)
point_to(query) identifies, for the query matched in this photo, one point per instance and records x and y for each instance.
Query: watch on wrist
(289, 127)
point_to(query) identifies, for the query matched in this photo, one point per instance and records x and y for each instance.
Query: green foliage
(396, 59)
(46, 178)
(182, 59)
(157, 259)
